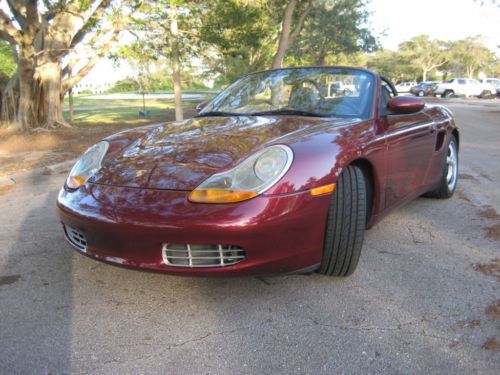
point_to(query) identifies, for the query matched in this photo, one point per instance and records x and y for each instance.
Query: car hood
(181, 155)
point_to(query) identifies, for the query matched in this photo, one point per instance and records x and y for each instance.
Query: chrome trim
(193, 256)
(75, 237)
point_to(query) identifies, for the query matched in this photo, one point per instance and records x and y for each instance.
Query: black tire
(346, 223)
(448, 94)
(486, 94)
(420, 93)
(444, 191)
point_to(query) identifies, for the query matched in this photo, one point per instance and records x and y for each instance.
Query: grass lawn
(89, 112)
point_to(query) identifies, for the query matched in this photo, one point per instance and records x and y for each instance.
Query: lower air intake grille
(186, 255)
(75, 237)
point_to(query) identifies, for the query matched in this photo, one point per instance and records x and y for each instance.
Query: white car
(495, 82)
(404, 87)
(464, 87)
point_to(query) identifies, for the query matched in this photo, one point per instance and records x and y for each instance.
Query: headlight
(252, 177)
(87, 166)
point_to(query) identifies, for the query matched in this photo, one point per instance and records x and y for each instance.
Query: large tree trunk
(26, 114)
(50, 111)
(176, 68)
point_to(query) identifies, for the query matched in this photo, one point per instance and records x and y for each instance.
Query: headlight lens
(87, 166)
(252, 177)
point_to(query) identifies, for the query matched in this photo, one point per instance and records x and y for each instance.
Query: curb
(58, 168)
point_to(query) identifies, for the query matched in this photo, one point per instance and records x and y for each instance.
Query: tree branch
(8, 31)
(300, 21)
(73, 80)
(98, 14)
(17, 9)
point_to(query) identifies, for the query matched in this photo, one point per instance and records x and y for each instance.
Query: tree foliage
(425, 54)
(7, 62)
(334, 28)
(468, 56)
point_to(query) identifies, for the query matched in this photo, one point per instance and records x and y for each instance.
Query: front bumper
(129, 227)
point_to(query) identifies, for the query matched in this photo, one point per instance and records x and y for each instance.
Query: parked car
(464, 86)
(495, 82)
(404, 87)
(270, 177)
(423, 89)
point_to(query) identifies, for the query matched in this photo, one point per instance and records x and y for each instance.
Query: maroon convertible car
(281, 172)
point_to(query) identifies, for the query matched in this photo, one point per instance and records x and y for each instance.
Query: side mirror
(202, 105)
(405, 104)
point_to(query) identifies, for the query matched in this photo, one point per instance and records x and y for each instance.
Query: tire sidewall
(445, 169)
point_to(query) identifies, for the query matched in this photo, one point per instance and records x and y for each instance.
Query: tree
(51, 40)
(425, 54)
(393, 64)
(238, 37)
(334, 28)
(287, 35)
(468, 56)
(168, 30)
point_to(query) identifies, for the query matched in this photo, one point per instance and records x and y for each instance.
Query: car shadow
(36, 283)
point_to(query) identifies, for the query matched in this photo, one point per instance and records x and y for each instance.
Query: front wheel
(449, 177)
(420, 93)
(448, 94)
(346, 224)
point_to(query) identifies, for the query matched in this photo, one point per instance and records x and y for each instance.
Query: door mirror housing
(405, 104)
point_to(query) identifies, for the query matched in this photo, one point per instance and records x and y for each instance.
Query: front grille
(76, 237)
(186, 255)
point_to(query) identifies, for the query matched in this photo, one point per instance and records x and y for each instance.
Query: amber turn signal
(220, 196)
(74, 182)
(325, 189)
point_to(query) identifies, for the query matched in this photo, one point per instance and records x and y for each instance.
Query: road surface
(421, 301)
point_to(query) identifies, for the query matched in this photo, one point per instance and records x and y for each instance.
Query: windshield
(322, 92)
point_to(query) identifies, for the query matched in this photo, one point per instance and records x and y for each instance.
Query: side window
(461, 81)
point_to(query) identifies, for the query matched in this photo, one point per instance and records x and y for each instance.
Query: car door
(410, 143)
(475, 88)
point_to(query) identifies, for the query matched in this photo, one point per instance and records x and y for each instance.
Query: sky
(441, 19)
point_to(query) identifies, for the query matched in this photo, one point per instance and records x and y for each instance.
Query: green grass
(90, 112)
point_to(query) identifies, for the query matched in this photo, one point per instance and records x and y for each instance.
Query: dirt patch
(492, 344)
(491, 269)
(5, 189)
(493, 232)
(461, 195)
(493, 310)
(465, 176)
(469, 323)
(489, 213)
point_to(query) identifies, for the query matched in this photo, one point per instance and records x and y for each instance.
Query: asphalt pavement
(424, 299)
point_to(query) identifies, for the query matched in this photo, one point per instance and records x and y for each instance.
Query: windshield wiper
(218, 113)
(296, 112)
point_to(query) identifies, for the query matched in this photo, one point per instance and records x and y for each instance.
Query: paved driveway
(421, 300)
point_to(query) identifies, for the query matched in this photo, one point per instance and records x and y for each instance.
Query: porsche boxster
(281, 172)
